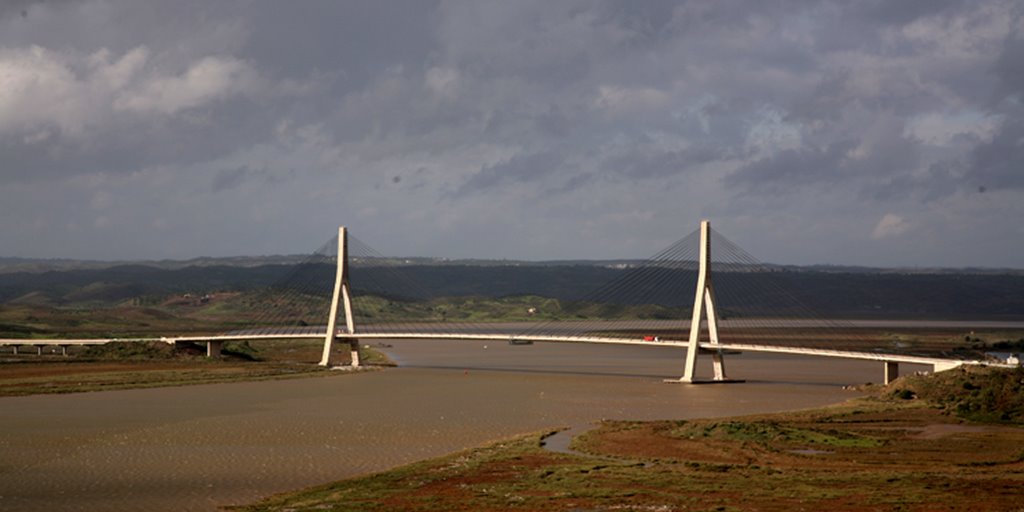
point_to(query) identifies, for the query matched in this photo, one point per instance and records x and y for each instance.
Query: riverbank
(200, 447)
(134, 365)
(951, 441)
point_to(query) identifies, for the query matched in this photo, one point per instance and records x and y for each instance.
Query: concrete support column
(353, 346)
(39, 350)
(892, 371)
(64, 350)
(213, 348)
(719, 365)
(16, 349)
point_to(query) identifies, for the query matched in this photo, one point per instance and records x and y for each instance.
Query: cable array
(756, 302)
(388, 298)
(764, 305)
(666, 280)
(297, 302)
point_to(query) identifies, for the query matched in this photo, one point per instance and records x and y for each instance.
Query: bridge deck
(71, 342)
(937, 362)
(743, 347)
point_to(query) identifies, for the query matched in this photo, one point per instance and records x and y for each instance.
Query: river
(199, 447)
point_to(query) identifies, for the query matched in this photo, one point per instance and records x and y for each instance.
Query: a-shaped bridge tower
(343, 294)
(704, 305)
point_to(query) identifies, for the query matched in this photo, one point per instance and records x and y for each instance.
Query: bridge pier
(353, 346)
(892, 371)
(64, 350)
(39, 350)
(213, 348)
(719, 365)
(16, 349)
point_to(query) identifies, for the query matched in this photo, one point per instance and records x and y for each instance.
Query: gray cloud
(1009, 67)
(650, 164)
(996, 164)
(228, 179)
(23, 8)
(795, 167)
(211, 125)
(516, 170)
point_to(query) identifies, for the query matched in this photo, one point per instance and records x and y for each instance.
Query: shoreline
(838, 457)
(293, 433)
(290, 434)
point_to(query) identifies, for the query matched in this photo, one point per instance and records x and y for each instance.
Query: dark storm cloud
(903, 12)
(194, 118)
(574, 183)
(22, 8)
(999, 163)
(128, 145)
(228, 179)
(516, 170)
(995, 163)
(650, 164)
(793, 168)
(870, 166)
(351, 41)
(1009, 67)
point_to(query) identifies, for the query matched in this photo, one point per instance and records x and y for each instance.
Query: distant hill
(108, 286)
(34, 265)
(39, 265)
(782, 291)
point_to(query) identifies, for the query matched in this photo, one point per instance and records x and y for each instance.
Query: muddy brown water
(199, 447)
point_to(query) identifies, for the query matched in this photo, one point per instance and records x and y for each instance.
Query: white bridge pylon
(704, 302)
(342, 291)
(704, 309)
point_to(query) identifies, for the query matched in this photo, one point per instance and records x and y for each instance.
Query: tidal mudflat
(199, 447)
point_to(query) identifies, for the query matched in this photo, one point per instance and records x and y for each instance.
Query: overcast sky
(882, 133)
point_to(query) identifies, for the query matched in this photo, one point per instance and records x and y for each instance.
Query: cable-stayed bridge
(687, 273)
(734, 304)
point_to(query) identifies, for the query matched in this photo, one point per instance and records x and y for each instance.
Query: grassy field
(950, 441)
(222, 312)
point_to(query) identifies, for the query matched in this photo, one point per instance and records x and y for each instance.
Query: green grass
(771, 433)
(972, 393)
